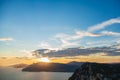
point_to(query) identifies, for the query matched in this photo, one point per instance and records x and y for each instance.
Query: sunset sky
(28, 25)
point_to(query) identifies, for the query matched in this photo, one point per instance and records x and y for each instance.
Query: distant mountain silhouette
(76, 63)
(97, 71)
(51, 67)
(19, 65)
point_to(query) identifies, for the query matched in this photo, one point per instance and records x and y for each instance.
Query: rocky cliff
(97, 71)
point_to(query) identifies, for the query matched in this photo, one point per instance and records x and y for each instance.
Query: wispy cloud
(6, 39)
(27, 53)
(70, 40)
(109, 33)
(67, 40)
(85, 33)
(77, 35)
(118, 41)
(66, 43)
(46, 45)
(103, 24)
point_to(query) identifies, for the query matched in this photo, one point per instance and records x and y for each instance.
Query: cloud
(66, 43)
(46, 45)
(67, 40)
(27, 53)
(99, 54)
(100, 42)
(73, 40)
(78, 35)
(70, 52)
(117, 46)
(104, 24)
(85, 33)
(6, 39)
(109, 33)
(118, 41)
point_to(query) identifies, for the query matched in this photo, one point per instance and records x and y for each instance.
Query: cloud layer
(73, 40)
(70, 52)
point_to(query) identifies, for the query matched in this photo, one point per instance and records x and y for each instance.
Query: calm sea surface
(9, 73)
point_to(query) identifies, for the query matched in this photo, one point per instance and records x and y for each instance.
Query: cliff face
(97, 71)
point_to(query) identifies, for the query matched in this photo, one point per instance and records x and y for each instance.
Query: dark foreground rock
(50, 67)
(97, 71)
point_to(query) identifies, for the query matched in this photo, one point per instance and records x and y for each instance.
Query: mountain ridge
(50, 67)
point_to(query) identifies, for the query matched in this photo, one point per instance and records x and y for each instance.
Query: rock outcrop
(97, 71)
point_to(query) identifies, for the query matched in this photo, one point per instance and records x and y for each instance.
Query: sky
(28, 25)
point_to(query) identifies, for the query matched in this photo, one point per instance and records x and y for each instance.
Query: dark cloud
(70, 52)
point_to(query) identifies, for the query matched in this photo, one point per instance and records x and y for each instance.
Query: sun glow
(44, 59)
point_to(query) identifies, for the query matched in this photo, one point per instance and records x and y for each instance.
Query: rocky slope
(97, 71)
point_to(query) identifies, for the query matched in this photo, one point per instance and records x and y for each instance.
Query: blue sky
(33, 24)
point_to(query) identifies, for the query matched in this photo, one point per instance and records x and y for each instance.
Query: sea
(10, 73)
